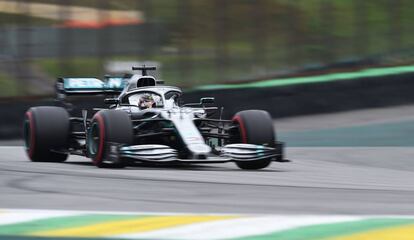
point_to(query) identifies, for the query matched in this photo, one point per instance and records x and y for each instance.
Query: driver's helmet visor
(147, 99)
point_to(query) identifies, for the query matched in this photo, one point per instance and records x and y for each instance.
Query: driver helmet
(146, 101)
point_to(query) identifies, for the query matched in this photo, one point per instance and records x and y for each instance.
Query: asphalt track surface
(341, 179)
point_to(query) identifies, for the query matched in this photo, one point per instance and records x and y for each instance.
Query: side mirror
(111, 101)
(207, 100)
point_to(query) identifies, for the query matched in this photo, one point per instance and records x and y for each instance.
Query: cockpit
(172, 99)
(145, 100)
(152, 99)
(146, 92)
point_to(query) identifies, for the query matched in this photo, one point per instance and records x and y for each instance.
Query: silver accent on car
(149, 152)
(247, 152)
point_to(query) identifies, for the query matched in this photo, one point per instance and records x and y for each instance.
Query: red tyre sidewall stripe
(98, 158)
(243, 132)
(32, 140)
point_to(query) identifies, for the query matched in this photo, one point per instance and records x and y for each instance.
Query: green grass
(7, 19)
(8, 86)
(76, 67)
(293, 34)
(302, 21)
(174, 69)
(112, 4)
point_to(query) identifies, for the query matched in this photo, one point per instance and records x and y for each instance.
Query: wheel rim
(242, 135)
(27, 134)
(94, 139)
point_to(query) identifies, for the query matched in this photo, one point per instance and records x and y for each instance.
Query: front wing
(164, 154)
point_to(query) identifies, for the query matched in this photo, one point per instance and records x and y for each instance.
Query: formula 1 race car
(147, 122)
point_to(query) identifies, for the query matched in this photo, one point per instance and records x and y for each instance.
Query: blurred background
(290, 58)
(337, 77)
(197, 42)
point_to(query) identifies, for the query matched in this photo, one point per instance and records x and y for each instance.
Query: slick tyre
(255, 127)
(108, 126)
(46, 133)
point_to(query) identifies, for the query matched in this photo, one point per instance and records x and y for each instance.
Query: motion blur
(312, 99)
(196, 42)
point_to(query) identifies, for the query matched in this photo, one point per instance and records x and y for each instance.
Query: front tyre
(255, 127)
(108, 126)
(46, 133)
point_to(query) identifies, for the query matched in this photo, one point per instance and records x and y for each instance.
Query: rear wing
(90, 86)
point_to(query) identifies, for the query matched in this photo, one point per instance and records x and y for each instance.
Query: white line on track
(10, 217)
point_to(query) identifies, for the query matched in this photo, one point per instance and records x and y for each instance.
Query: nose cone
(199, 149)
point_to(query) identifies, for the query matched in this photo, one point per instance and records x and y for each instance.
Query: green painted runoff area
(55, 223)
(312, 232)
(8, 237)
(366, 73)
(323, 231)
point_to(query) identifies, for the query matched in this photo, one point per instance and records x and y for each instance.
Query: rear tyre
(46, 134)
(113, 126)
(255, 127)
